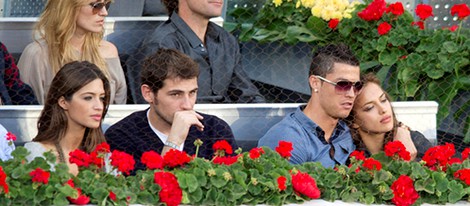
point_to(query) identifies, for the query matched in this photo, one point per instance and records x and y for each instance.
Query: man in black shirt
(216, 51)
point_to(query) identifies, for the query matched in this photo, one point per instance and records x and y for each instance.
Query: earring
(315, 90)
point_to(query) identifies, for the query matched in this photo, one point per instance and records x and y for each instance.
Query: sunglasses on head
(97, 6)
(343, 86)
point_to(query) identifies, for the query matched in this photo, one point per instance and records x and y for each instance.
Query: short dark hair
(167, 64)
(324, 58)
(171, 5)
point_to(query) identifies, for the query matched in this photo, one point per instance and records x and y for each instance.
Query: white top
(6, 147)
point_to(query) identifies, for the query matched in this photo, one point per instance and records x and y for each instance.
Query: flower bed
(260, 176)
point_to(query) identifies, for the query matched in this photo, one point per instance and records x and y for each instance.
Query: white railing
(248, 121)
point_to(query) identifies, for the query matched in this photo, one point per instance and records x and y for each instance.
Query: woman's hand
(404, 136)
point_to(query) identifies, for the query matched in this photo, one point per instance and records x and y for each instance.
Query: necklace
(61, 152)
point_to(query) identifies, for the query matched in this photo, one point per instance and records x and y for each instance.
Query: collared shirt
(221, 77)
(309, 141)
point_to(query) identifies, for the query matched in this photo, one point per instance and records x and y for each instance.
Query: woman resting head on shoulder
(73, 113)
(66, 31)
(373, 122)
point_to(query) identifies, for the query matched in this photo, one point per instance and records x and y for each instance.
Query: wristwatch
(172, 145)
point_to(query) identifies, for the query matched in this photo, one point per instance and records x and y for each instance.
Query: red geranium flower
(404, 192)
(226, 160)
(461, 10)
(304, 184)
(396, 9)
(384, 28)
(333, 23)
(11, 136)
(372, 164)
(424, 11)
(40, 176)
(170, 193)
(102, 148)
(3, 180)
(256, 152)
(359, 155)
(222, 147)
(373, 11)
(112, 196)
(71, 183)
(79, 157)
(152, 160)
(465, 153)
(464, 175)
(438, 157)
(81, 199)
(281, 183)
(420, 24)
(396, 149)
(284, 149)
(122, 161)
(97, 159)
(174, 158)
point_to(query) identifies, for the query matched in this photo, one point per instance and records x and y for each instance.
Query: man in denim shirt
(221, 78)
(316, 130)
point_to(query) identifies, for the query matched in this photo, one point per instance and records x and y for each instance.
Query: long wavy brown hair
(370, 78)
(57, 25)
(53, 121)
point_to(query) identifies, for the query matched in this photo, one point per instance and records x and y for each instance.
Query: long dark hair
(52, 123)
(370, 78)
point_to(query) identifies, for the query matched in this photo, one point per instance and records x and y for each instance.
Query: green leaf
(60, 199)
(433, 72)
(193, 183)
(389, 57)
(450, 46)
(441, 181)
(100, 193)
(196, 195)
(365, 66)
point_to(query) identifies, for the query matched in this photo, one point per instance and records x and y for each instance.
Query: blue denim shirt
(309, 141)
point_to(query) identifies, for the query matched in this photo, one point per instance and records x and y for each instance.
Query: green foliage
(422, 64)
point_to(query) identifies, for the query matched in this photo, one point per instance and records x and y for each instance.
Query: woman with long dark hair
(73, 113)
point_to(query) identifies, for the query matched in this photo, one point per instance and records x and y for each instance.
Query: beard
(159, 114)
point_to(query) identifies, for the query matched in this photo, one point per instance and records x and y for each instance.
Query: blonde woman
(68, 31)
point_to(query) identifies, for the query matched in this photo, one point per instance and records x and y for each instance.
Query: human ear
(313, 82)
(147, 93)
(63, 103)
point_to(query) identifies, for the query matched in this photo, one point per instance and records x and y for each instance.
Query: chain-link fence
(279, 70)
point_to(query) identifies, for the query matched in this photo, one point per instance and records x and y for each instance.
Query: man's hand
(403, 135)
(182, 121)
